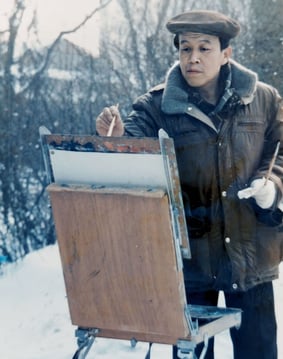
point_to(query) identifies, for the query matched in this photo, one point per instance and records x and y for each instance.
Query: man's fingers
(109, 122)
(106, 115)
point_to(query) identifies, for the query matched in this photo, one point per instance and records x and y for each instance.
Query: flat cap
(205, 22)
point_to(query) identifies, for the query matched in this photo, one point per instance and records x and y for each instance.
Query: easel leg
(85, 339)
(204, 350)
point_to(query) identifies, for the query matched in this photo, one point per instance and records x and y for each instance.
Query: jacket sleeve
(145, 120)
(273, 135)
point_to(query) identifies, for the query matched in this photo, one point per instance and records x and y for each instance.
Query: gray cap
(205, 22)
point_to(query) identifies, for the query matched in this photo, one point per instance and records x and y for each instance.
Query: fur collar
(176, 95)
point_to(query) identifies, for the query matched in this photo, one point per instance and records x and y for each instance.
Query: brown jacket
(235, 245)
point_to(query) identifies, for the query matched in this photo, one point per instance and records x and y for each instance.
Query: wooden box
(119, 262)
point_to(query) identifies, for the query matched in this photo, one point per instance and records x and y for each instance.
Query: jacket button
(224, 194)
(235, 286)
(190, 108)
(227, 240)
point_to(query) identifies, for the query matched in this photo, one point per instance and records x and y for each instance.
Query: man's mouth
(194, 71)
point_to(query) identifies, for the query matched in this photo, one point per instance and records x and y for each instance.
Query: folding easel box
(122, 235)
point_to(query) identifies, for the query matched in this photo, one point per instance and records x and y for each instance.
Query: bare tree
(27, 97)
(139, 49)
(265, 48)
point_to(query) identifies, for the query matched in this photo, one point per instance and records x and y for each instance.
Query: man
(226, 127)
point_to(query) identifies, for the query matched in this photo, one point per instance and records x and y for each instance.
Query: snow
(35, 322)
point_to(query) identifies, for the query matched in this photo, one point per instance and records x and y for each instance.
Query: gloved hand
(263, 193)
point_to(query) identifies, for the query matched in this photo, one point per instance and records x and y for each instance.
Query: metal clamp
(85, 339)
(186, 349)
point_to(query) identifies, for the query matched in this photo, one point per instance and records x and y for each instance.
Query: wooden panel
(119, 262)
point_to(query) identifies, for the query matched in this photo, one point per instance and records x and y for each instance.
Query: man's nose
(194, 59)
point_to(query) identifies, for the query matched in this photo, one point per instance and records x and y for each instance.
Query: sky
(61, 15)
(55, 16)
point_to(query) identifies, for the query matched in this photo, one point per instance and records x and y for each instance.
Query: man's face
(201, 59)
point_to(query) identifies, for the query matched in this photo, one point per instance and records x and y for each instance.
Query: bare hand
(109, 122)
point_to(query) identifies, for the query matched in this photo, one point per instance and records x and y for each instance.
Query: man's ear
(227, 54)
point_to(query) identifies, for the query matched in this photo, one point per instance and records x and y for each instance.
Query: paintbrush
(272, 163)
(112, 124)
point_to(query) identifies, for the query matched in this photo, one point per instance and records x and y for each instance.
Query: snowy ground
(35, 321)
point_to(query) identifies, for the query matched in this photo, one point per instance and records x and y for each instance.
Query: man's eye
(185, 49)
(204, 49)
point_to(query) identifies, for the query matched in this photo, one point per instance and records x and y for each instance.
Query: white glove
(264, 194)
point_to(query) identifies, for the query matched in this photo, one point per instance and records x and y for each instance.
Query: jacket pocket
(250, 126)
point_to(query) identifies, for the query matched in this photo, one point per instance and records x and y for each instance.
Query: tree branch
(59, 37)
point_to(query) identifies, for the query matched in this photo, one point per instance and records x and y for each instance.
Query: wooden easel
(121, 231)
